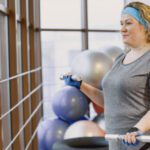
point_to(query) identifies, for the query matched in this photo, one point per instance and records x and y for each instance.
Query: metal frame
(38, 58)
(23, 134)
(25, 68)
(34, 56)
(84, 26)
(13, 71)
(77, 30)
(84, 21)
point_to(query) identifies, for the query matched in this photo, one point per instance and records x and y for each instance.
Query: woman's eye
(128, 23)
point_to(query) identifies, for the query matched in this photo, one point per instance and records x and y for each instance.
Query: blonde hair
(145, 14)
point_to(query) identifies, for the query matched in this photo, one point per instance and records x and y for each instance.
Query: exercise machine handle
(142, 138)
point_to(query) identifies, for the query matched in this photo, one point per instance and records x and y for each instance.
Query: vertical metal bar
(38, 57)
(25, 68)
(84, 21)
(40, 60)
(1, 131)
(33, 64)
(13, 71)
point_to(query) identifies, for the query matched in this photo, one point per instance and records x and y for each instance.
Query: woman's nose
(123, 28)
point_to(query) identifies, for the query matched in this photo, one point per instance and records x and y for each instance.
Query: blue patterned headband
(136, 14)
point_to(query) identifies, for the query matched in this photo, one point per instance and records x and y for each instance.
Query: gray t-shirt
(126, 97)
(126, 93)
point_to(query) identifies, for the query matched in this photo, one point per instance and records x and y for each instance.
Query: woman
(126, 87)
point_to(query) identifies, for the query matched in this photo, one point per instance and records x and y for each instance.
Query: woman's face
(133, 33)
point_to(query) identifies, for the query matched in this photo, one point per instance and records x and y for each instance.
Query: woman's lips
(124, 36)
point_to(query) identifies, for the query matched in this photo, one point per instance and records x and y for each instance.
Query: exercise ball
(54, 132)
(112, 52)
(83, 129)
(91, 66)
(70, 104)
(86, 143)
(42, 128)
(100, 120)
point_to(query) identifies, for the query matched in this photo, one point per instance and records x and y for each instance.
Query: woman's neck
(141, 48)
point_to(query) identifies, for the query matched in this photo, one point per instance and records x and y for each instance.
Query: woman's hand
(71, 80)
(130, 137)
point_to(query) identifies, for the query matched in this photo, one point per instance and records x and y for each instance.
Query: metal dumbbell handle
(143, 138)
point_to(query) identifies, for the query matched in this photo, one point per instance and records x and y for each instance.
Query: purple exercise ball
(55, 132)
(42, 128)
(70, 104)
(49, 132)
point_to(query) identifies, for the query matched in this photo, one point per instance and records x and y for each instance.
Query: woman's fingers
(65, 75)
(130, 138)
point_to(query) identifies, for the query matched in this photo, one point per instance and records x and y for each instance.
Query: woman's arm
(93, 93)
(144, 124)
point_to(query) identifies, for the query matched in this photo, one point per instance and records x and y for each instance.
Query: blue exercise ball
(70, 104)
(42, 128)
(55, 132)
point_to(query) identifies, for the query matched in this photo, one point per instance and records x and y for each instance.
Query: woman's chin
(126, 43)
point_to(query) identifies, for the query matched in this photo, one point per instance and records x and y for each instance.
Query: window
(98, 40)
(58, 48)
(61, 14)
(3, 2)
(69, 26)
(104, 14)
